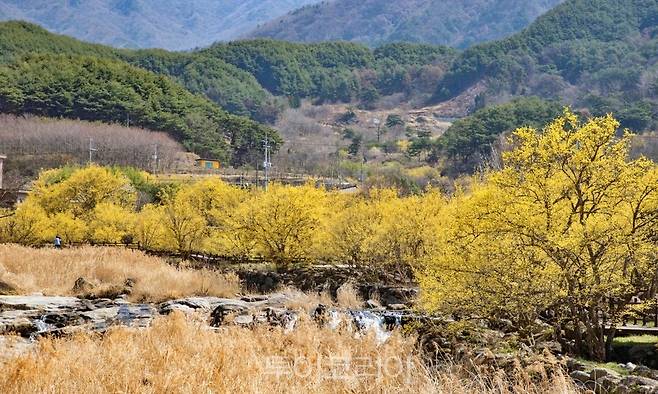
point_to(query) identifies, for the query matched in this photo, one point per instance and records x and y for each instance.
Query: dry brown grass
(348, 297)
(53, 272)
(299, 300)
(177, 355)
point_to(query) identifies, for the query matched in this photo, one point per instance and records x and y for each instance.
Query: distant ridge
(456, 23)
(167, 24)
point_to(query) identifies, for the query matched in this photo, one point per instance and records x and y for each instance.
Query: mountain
(456, 23)
(244, 77)
(599, 55)
(169, 24)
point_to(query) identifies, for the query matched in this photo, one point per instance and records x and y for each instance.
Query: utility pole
(155, 159)
(362, 174)
(91, 150)
(267, 164)
(378, 123)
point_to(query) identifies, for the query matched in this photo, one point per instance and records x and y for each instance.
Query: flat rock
(243, 320)
(255, 298)
(169, 308)
(101, 314)
(20, 326)
(39, 302)
(140, 314)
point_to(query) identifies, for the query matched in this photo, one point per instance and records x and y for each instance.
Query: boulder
(552, 346)
(580, 376)
(7, 289)
(574, 365)
(281, 317)
(22, 326)
(321, 315)
(373, 304)
(607, 384)
(633, 380)
(598, 373)
(82, 286)
(646, 372)
(224, 309)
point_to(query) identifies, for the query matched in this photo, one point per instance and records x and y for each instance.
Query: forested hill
(456, 23)
(596, 54)
(169, 24)
(54, 75)
(46, 74)
(243, 77)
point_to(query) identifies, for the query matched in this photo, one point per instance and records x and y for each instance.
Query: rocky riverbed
(26, 318)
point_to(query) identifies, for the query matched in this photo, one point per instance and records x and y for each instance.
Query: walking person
(58, 242)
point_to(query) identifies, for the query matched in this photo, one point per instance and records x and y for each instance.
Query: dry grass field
(177, 355)
(54, 272)
(182, 354)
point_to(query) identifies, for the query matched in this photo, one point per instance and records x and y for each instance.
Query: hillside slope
(243, 76)
(601, 55)
(454, 23)
(169, 24)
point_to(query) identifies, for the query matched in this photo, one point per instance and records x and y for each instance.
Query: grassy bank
(179, 355)
(54, 272)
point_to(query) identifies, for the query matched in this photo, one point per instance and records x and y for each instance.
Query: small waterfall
(366, 321)
(41, 326)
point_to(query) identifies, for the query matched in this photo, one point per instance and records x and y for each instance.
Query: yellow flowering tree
(79, 204)
(111, 224)
(285, 223)
(217, 202)
(67, 226)
(81, 190)
(406, 229)
(352, 228)
(566, 226)
(184, 227)
(148, 230)
(27, 225)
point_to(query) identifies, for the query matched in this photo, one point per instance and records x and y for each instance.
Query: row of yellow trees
(285, 224)
(565, 231)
